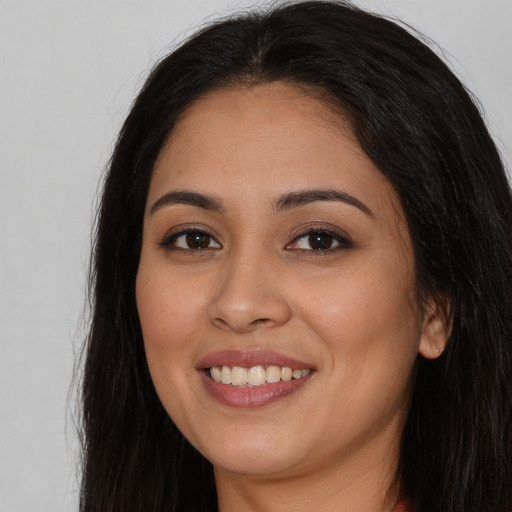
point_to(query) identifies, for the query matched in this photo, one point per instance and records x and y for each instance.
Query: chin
(255, 455)
(256, 463)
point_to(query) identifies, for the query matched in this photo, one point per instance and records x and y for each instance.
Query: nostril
(255, 324)
(219, 322)
(261, 322)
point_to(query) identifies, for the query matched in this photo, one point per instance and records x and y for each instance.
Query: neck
(365, 480)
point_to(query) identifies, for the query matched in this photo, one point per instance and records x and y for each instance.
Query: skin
(350, 312)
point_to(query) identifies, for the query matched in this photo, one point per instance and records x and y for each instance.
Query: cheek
(167, 309)
(371, 334)
(361, 302)
(370, 325)
(169, 315)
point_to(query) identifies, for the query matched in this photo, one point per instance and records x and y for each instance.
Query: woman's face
(272, 243)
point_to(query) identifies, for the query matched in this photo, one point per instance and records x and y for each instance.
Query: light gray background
(68, 72)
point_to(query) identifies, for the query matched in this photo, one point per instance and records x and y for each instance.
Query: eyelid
(177, 231)
(343, 239)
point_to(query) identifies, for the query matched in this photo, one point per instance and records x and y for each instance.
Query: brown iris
(196, 240)
(320, 241)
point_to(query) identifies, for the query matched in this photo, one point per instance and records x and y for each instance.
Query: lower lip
(257, 396)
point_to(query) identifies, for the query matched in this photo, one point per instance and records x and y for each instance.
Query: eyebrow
(303, 197)
(287, 201)
(190, 198)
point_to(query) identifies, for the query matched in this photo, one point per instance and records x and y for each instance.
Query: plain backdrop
(68, 73)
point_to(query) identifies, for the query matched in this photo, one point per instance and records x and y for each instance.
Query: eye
(191, 240)
(317, 242)
(320, 241)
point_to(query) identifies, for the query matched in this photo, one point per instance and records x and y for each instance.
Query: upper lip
(250, 358)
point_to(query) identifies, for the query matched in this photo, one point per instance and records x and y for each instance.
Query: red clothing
(402, 506)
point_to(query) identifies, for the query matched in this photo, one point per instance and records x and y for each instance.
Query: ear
(437, 326)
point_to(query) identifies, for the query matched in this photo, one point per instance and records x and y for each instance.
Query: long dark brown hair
(421, 128)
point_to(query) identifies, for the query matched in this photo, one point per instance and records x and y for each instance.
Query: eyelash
(341, 240)
(170, 240)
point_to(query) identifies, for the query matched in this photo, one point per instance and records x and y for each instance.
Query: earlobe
(436, 328)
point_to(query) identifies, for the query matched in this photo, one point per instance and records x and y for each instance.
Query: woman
(301, 280)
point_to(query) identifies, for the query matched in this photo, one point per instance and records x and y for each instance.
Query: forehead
(265, 140)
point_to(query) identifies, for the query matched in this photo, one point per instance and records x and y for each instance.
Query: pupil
(320, 242)
(198, 241)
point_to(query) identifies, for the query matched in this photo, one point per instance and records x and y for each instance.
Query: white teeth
(273, 374)
(215, 374)
(238, 376)
(255, 376)
(286, 373)
(226, 375)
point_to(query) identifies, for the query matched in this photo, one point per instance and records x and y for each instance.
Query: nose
(249, 295)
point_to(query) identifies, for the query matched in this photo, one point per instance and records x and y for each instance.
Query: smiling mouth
(252, 378)
(256, 375)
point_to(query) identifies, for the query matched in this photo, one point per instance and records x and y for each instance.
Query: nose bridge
(249, 294)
